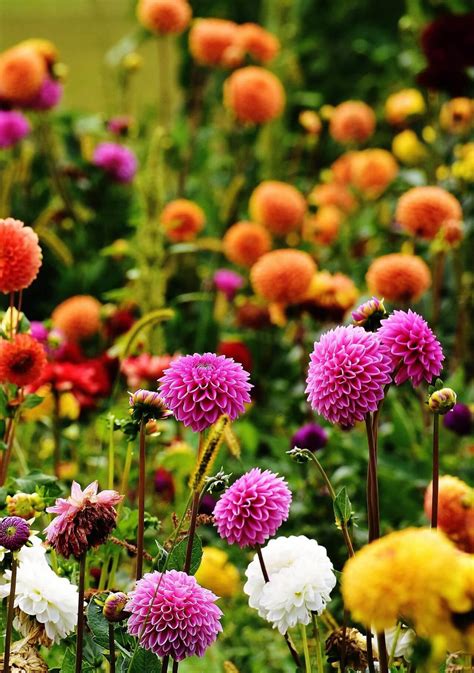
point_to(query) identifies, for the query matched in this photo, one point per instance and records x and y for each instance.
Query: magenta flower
(253, 508)
(172, 615)
(14, 532)
(347, 373)
(200, 388)
(48, 96)
(118, 161)
(413, 348)
(13, 127)
(84, 520)
(228, 282)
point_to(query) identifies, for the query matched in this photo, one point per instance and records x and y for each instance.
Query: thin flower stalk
(10, 615)
(435, 480)
(141, 500)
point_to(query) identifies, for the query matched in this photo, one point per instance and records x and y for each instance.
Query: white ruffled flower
(301, 580)
(41, 594)
(404, 637)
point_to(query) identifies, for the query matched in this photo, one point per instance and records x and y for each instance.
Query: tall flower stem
(112, 648)
(435, 483)
(80, 614)
(8, 441)
(317, 637)
(307, 658)
(10, 615)
(56, 434)
(141, 500)
(164, 664)
(194, 514)
(175, 666)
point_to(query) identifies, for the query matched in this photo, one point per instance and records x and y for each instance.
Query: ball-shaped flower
(114, 605)
(182, 220)
(402, 105)
(22, 360)
(210, 38)
(347, 373)
(245, 242)
(399, 277)
(13, 127)
(22, 71)
(459, 420)
(228, 282)
(413, 348)
(333, 194)
(78, 317)
(283, 276)
(14, 533)
(408, 148)
(372, 172)
(217, 573)
(117, 161)
(323, 227)
(253, 508)
(254, 40)
(421, 211)
(49, 95)
(455, 510)
(200, 388)
(278, 206)
(172, 615)
(237, 350)
(341, 169)
(164, 16)
(310, 436)
(331, 295)
(457, 115)
(44, 48)
(352, 122)
(20, 255)
(254, 95)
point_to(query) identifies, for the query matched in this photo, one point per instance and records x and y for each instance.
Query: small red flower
(22, 360)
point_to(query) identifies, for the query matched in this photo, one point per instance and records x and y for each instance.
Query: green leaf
(32, 401)
(98, 624)
(342, 507)
(69, 661)
(142, 660)
(177, 557)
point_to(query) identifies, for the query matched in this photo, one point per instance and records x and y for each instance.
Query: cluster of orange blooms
(24, 69)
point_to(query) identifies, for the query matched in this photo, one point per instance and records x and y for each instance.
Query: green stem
(112, 648)
(141, 500)
(111, 456)
(307, 659)
(10, 615)
(80, 614)
(435, 481)
(194, 514)
(395, 643)
(317, 637)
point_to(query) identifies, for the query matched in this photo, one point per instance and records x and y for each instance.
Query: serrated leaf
(98, 624)
(142, 660)
(177, 557)
(342, 507)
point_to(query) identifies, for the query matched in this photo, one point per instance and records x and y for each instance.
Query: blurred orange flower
(164, 16)
(283, 276)
(182, 220)
(372, 171)
(44, 48)
(457, 115)
(78, 317)
(209, 39)
(455, 511)
(333, 194)
(22, 71)
(262, 45)
(402, 105)
(334, 294)
(323, 227)
(422, 211)
(245, 242)
(254, 95)
(341, 169)
(398, 277)
(352, 122)
(280, 207)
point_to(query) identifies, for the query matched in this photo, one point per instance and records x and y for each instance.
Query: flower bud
(25, 505)
(148, 405)
(14, 533)
(441, 401)
(369, 314)
(114, 605)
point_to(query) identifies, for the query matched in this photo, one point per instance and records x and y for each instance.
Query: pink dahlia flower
(48, 96)
(13, 127)
(200, 388)
(413, 347)
(118, 161)
(228, 282)
(172, 615)
(84, 520)
(348, 370)
(253, 508)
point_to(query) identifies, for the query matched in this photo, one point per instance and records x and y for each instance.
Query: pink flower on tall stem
(118, 161)
(13, 127)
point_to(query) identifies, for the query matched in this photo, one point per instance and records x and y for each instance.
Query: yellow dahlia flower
(217, 574)
(407, 148)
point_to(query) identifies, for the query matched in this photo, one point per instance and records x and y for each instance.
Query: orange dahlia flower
(22, 72)
(333, 194)
(22, 360)
(372, 171)
(245, 242)
(78, 317)
(182, 220)
(457, 115)
(44, 48)
(352, 122)
(423, 210)
(452, 232)
(323, 227)
(280, 207)
(341, 169)
(403, 104)
(258, 42)
(398, 277)
(20, 255)
(164, 16)
(283, 276)
(334, 293)
(210, 38)
(254, 95)
(455, 510)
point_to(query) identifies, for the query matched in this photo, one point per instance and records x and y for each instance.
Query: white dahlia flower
(301, 580)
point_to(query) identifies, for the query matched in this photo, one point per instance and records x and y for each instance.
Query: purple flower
(200, 388)
(39, 331)
(207, 504)
(48, 96)
(164, 484)
(347, 373)
(228, 282)
(459, 420)
(13, 127)
(118, 161)
(253, 508)
(173, 615)
(413, 347)
(310, 436)
(14, 532)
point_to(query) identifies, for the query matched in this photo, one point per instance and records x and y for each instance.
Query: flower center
(22, 363)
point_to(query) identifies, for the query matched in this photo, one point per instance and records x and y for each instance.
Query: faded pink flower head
(200, 388)
(145, 368)
(253, 508)
(84, 520)
(413, 348)
(173, 615)
(348, 370)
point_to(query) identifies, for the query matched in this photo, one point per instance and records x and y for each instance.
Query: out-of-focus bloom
(120, 125)
(207, 504)
(372, 171)
(172, 615)
(116, 160)
(451, 233)
(200, 388)
(400, 638)
(13, 127)
(463, 167)
(254, 40)
(403, 105)
(145, 368)
(413, 347)
(210, 38)
(22, 72)
(251, 314)
(441, 401)
(164, 484)
(217, 573)
(78, 317)
(49, 95)
(352, 122)
(118, 321)
(399, 277)
(228, 282)
(448, 45)
(459, 420)
(330, 296)
(333, 194)
(347, 373)
(22, 360)
(164, 16)
(254, 95)
(278, 206)
(20, 255)
(301, 580)
(83, 521)
(52, 340)
(283, 276)
(408, 148)
(132, 62)
(14, 533)
(348, 645)
(369, 314)
(245, 242)
(238, 351)
(422, 211)
(114, 607)
(341, 169)
(323, 227)
(311, 122)
(457, 115)
(182, 220)
(310, 436)
(25, 505)
(253, 508)
(455, 511)
(148, 405)
(44, 48)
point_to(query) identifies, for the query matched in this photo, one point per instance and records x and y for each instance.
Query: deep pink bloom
(413, 347)
(200, 388)
(84, 520)
(118, 161)
(253, 508)
(48, 96)
(14, 532)
(13, 127)
(172, 615)
(228, 282)
(347, 373)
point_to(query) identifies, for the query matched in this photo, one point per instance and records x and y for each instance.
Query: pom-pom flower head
(20, 255)
(323, 227)
(399, 277)
(22, 71)
(280, 207)
(182, 220)
(403, 105)
(172, 615)
(333, 194)
(283, 276)
(455, 511)
(117, 161)
(228, 282)
(372, 171)
(253, 508)
(22, 360)
(209, 39)
(14, 533)
(347, 373)
(457, 115)
(254, 95)
(352, 122)
(245, 242)
(200, 388)
(422, 211)
(13, 127)
(78, 317)
(48, 96)
(258, 42)
(164, 16)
